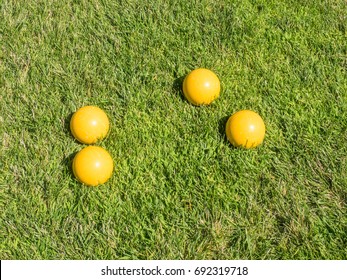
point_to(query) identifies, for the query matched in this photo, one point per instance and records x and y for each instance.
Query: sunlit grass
(179, 189)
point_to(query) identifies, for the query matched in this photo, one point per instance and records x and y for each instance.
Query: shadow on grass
(281, 223)
(221, 128)
(67, 129)
(67, 162)
(177, 87)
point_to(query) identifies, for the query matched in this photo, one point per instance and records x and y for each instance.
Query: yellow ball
(201, 87)
(89, 124)
(245, 129)
(92, 166)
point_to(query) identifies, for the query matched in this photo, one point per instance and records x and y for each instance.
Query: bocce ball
(92, 166)
(89, 124)
(201, 87)
(245, 129)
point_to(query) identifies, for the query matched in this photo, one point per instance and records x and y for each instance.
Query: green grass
(179, 189)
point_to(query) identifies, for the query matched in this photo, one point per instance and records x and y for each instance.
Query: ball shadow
(67, 163)
(67, 129)
(221, 128)
(177, 87)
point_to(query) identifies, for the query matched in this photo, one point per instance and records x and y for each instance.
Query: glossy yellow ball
(201, 87)
(245, 129)
(92, 166)
(89, 124)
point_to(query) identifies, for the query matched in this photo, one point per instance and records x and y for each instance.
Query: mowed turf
(179, 189)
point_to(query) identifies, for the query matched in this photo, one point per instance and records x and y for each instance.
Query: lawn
(179, 189)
